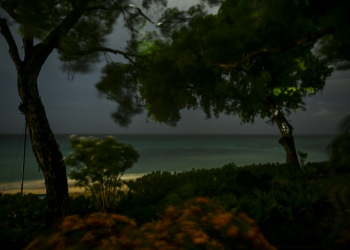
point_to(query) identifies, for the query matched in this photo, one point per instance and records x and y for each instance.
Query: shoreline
(38, 187)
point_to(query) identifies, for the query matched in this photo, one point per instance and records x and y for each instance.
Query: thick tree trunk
(287, 139)
(44, 145)
(291, 155)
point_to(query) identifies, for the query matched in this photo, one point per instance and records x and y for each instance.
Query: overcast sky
(75, 106)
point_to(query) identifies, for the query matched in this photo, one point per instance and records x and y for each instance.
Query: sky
(75, 107)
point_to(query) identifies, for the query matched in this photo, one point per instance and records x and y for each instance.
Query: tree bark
(287, 139)
(44, 145)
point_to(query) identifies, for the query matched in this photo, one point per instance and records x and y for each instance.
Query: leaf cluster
(21, 219)
(36, 18)
(94, 154)
(166, 188)
(80, 27)
(100, 163)
(339, 153)
(119, 83)
(334, 46)
(186, 69)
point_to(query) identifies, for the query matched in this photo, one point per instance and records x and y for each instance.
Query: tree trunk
(44, 145)
(287, 139)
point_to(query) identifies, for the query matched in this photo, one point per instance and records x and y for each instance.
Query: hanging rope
(15, 160)
(24, 157)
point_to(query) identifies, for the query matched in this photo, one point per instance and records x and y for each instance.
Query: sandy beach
(38, 187)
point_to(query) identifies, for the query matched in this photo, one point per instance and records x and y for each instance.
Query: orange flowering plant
(198, 224)
(93, 231)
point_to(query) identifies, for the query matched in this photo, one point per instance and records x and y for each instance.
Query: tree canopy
(251, 59)
(228, 62)
(78, 30)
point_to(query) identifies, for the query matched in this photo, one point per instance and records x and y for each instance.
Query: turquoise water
(171, 152)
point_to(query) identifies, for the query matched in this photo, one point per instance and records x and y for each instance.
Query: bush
(198, 224)
(100, 164)
(343, 241)
(82, 205)
(271, 194)
(21, 218)
(339, 150)
(302, 156)
(93, 231)
(153, 191)
(286, 201)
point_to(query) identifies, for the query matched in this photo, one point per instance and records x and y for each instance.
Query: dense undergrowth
(285, 203)
(288, 208)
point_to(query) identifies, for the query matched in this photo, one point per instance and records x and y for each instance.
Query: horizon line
(164, 134)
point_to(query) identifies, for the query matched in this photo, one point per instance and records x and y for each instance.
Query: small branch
(103, 49)
(140, 11)
(9, 10)
(5, 31)
(311, 37)
(97, 7)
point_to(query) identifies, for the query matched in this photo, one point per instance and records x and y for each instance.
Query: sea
(168, 152)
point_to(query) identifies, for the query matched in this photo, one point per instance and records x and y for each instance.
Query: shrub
(153, 191)
(339, 150)
(93, 231)
(21, 218)
(198, 224)
(248, 180)
(302, 156)
(81, 205)
(100, 164)
(287, 214)
(343, 241)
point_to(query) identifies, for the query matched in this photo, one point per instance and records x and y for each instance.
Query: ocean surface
(170, 152)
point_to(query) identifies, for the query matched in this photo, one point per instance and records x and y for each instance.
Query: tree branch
(311, 37)
(28, 46)
(9, 10)
(97, 7)
(103, 49)
(140, 11)
(53, 39)
(5, 31)
(63, 28)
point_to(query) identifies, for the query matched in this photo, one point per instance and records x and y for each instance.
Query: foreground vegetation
(289, 209)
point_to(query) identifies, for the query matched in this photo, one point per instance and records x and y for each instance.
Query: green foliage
(167, 188)
(82, 26)
(82, 205)
(120, 84)
(344, 125)
(21, 218)
(271, 194)
(100, 164)
(285, 200)
(334, 46)
(188, 62)
(339, 150)
(180, 195)
(247, 180)
(302, 155)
